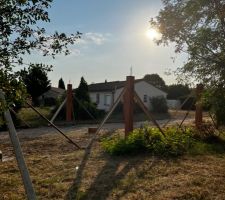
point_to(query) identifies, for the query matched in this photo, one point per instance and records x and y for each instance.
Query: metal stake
(18, 153)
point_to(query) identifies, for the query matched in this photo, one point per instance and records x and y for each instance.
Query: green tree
(9, 82)
(176, 91)
(21, 35)
(61, 84)
(82, 91)
(85, 104)
(36, 80)
(155, 80)
(197, 28)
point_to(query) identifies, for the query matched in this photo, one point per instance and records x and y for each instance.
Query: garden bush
(174, 143)
(159, 104)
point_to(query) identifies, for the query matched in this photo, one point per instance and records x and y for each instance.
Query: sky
(114, 40)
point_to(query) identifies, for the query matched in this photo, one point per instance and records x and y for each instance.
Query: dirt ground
(60, 171)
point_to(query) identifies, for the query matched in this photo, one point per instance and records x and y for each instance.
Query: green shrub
(159, 104)
(88, 113)
(119, 108)
(148, 139)
(50, 101)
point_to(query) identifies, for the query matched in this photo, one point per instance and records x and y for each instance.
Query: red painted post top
(128, 105)
(69, 103)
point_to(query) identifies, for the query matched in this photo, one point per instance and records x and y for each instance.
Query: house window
(97, 98)
(107, 100)
(145, 98)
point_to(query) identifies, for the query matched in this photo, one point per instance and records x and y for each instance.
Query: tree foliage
(159, 104)
(214, 99)
(85, 109)
(61, 84)
(9, 82)
(197, 28)
(82, 91)
(155, 80)
(20, 35)
(177, 91)
(36, 80)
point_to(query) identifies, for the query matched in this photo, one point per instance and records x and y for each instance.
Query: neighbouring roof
(53, 92)
(106, 86)
(111, 86)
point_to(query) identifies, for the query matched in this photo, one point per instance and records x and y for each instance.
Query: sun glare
(152, 34)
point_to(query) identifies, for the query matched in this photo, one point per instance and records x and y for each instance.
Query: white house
(105, 94)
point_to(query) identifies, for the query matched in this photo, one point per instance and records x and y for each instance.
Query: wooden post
(128, 105)
(1, 159)
(69, 103)
(18, 153)
(198, 106)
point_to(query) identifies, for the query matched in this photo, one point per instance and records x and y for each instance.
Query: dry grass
(52, 163)
(32, 118)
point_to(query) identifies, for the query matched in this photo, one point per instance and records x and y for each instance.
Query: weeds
(151, 140)
(175, 143)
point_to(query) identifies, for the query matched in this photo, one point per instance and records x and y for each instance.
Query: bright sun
(152, 34)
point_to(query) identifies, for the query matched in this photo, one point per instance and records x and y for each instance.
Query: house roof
(53, 92)
(111, 86)
(57, 90)
(106, 86)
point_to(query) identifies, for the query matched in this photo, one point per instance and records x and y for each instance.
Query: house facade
(105, 94)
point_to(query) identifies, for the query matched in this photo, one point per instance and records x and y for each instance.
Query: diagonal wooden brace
(146, 111)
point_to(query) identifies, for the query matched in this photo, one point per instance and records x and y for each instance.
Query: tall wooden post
(69, 103)
(198, 106)
(128, 105)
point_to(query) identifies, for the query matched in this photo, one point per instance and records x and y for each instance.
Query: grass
(32, 118)
(53, 167)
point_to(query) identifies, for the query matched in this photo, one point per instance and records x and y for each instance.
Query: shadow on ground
(107, 179)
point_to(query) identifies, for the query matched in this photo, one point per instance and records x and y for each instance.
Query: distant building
(50, 97)
(105, 94)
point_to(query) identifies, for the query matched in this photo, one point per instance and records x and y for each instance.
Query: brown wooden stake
(198, 106)
(128, 105)
(69, 104)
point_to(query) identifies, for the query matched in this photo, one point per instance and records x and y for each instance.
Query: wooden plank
(198, 106)
(58, 110)
(128, 105)
(146, 111)
(54, 126)
(19, 118)
(69, 104)
(106, 117)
